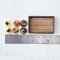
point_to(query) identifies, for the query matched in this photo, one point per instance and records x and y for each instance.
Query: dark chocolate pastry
(23, 23)
(23, 30)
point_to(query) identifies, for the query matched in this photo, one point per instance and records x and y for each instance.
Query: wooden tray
(41, 24)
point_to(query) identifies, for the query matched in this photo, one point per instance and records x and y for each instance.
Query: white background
(11, 9)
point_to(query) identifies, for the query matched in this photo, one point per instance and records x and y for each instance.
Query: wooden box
(41, 24)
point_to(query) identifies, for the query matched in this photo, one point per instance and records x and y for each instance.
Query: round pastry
(23, 23)
(7, 23)
(23, 30)
(15, 30)
(16, 23)
(8, 30)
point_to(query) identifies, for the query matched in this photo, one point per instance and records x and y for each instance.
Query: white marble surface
(29, 52)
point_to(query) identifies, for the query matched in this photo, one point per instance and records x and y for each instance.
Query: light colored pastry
(7, 23)
(8, 29)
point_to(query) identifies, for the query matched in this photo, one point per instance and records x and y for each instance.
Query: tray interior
(41, 24)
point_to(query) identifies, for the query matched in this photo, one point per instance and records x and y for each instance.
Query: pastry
(7, 23)
(8, 30)
(23, 23)
(16, 23)
(23, 30)
(15, 30)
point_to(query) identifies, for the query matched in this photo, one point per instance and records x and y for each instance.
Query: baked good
(7, 23)
(15, 30)
(17, 23)
(23, 30)
(23, 23)
(8, 30)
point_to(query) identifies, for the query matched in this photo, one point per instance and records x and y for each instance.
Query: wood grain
(41, 25)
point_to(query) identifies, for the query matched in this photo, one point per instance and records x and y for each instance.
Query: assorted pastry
(23, 23)
(17, 23)
(23, 30)
(8, 30)
(16, 28)
(7, 23)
